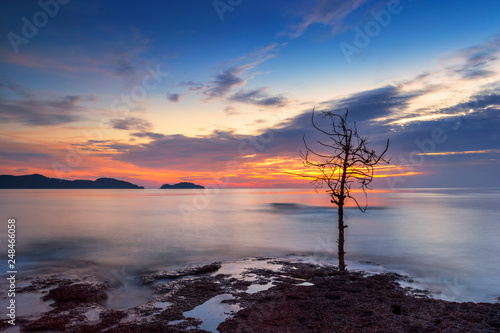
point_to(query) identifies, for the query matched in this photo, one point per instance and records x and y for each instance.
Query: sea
(446, 240)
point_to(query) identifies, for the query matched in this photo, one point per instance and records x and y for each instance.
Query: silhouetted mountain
(37, 181)
(181, 185)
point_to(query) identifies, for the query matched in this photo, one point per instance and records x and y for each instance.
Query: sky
(221, 92)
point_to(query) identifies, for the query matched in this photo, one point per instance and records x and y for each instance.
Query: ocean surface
(448, 240)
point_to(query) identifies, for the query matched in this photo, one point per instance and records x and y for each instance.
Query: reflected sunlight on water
(445, 237)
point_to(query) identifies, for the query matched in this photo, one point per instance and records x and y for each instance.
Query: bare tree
(348, 162)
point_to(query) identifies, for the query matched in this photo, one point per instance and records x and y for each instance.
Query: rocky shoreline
(255, 295)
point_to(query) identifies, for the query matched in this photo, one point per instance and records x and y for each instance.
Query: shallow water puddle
(161, 305)
(13, 329)
(255, 288)
(306, 284)
(92, 314)
(237, 268)
(213, 312)
(129, 317)
(128, 296)
(32, 305)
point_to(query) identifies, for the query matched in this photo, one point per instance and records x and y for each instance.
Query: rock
(37, 181)
(47, 323)
(78, 292)
(303, 298)
(197, 270)
(182, 185)
(351, 302)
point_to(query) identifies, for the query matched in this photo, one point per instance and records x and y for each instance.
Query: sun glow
(486, 151)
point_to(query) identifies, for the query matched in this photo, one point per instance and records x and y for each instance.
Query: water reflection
(434, 234)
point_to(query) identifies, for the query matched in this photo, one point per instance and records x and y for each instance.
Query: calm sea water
(446, 239)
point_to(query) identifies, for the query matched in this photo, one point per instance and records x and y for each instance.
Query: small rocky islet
(37, 181)
(181, 185)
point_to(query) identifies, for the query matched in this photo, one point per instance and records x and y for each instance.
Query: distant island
(182, 185)
(37, 181)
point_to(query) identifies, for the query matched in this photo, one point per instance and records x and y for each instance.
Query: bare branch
(351, 163)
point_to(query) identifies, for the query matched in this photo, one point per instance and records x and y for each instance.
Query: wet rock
(396, 309)
(192, 293)
(107, 318)
(197, 270)
(302, 298)
(151, 327)
(351, 302)
(78, 292)
(47, 323)
(45, 283)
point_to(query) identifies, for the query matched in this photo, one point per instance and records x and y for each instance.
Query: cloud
(327, 12)
(41, 113)
(480, 59)
(174, 98)
(193, 86)
(149, 135)
(257, 122)
(455, 89)
(22, 156)
(131, 124)
(373, 104)
(182, 152)
(230, 78)
(231, 111)
(31, 107)
(103, 147)
(224, 82)
(18, 156)
(258, 97)
(122, 66)
(375, 111)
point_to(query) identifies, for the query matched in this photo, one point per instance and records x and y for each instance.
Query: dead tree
(347, 163)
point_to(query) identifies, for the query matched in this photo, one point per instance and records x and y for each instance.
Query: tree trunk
(341, 236)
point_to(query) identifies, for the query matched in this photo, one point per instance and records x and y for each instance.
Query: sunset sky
(221, 92)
